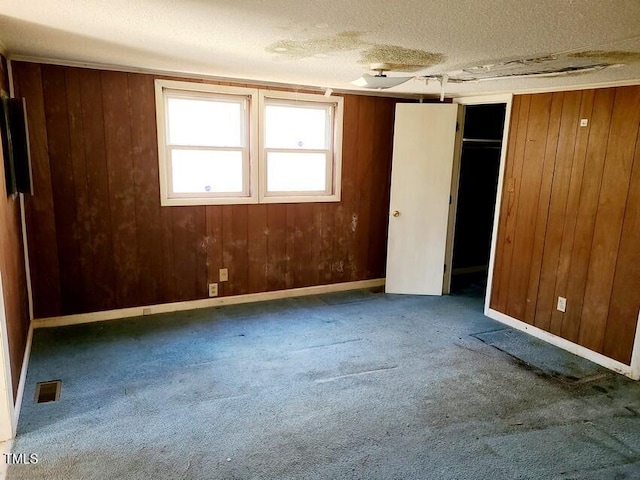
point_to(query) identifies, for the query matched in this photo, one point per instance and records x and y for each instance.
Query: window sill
(301, 199)
(184, 202)
(195, 201)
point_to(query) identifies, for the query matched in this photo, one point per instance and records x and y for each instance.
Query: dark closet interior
(479, 169)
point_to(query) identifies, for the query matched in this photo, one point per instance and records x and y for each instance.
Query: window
(205, 143)
(221, 145)
(300, 147)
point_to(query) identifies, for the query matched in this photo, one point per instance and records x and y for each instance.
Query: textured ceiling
(332, 42)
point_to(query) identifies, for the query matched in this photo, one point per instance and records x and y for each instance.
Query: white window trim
(256, 190)
(334, 164)
(251, 196)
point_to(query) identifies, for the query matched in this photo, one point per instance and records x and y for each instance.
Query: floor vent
(48, 391)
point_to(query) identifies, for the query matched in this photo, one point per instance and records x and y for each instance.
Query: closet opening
(476, 171)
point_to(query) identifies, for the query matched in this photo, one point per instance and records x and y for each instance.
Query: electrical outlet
(562, 304)
(584, 122)
(213, 289)
(223, 275)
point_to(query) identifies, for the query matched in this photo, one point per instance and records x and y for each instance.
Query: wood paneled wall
(14, 282)
(100, 240)
(570, 217)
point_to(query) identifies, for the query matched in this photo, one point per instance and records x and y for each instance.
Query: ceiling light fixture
(379, 81)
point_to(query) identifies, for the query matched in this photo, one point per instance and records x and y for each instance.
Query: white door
(423, 149)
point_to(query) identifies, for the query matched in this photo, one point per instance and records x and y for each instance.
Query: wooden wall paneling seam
(257, 248)
(240, 266)
(305, 244)
(300, 250)
(101, 247)
(379, 189)
(84, 231)
(120, 175)
(62, 183)
(227, 251)
(587, 205)
(500, 263)
(542, 216)
(622, 318)
(214, 245)
(326, 233)
(147, 192)
(319, 256)
(557, 208)
(188, 230)
(315, 220)
(527, 205)
(183, 253)
(200, 247)
(609, 217)
(169, 279)
(521, 123)
(276, 246)
(343, 240)
(567, 152)
(383, 183)
(367, 154)
(570, 220)
(170, 273)
(42, 239)
(290, 246)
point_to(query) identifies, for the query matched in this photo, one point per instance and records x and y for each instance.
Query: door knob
(396, 213)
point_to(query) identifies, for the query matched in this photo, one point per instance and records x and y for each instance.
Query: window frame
(335, 106)
(255, 179)
(165, 89)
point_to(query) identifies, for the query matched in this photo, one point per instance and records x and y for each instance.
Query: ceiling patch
(318, 47)
(401, 59)
(543, 66)
(616, 56)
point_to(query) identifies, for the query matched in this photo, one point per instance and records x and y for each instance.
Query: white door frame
(485, 100)
(453, 203)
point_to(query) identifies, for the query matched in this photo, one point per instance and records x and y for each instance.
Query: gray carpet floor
(357, 385)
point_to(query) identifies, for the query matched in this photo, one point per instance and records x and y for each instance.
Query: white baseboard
(565, 344)
(204, 303)
(23, 377)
